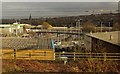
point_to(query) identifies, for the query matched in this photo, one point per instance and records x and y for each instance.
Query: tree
(89, 26)
(46, 25)
(116, 27)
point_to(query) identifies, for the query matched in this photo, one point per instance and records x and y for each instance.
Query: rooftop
(24, 43)
(111, 37)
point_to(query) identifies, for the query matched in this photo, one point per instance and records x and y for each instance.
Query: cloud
(39, 9)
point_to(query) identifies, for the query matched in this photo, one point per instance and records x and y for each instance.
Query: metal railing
(51, 55)
(86, 56)
(28, 54)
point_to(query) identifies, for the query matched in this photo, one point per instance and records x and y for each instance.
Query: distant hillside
(69, 20)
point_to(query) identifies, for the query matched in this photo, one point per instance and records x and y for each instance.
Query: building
(11, 29)
(103, 42)
(119, 12)
(119, 7)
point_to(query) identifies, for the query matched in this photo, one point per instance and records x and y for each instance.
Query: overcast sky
(54, 9)
(60, 0)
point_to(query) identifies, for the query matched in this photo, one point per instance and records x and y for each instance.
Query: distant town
(84, 43)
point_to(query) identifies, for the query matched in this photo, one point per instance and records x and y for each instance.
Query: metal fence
(86, 56)
(48, 54)
(45, 54)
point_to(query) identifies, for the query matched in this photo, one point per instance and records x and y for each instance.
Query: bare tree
(89, 26)
(116, 27)
(46, 25)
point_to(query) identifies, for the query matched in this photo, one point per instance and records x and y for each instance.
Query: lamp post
(78, 24)
(101, 26)
(95, 28)
(109, 26)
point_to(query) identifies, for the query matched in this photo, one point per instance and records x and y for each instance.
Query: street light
(95, 28)
(101, 26)
(78, 24)
(109, 26)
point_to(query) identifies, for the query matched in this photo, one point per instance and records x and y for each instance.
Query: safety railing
(93, 56)
(51, 55)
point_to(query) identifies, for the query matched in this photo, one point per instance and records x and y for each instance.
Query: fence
(51, 55)
(86, 56)
(45, 54)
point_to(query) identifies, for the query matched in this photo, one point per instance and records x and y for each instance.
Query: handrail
(82, 53)
(71, 55)
(97, 56)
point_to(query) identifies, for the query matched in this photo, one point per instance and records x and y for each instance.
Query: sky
(59, 0)
(54, 9)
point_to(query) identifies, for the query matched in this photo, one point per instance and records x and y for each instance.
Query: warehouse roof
(111, 37)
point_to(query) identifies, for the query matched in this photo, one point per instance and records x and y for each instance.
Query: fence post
(74, 56)
(59, 54)
(30, 55)
(14, 54)
(15, 59)
(104, 56)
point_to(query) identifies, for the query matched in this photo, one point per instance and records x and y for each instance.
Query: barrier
(86, 56)
(44, 54)
(49, 54)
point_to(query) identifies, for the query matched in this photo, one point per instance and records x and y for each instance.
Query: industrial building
(103, 42)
